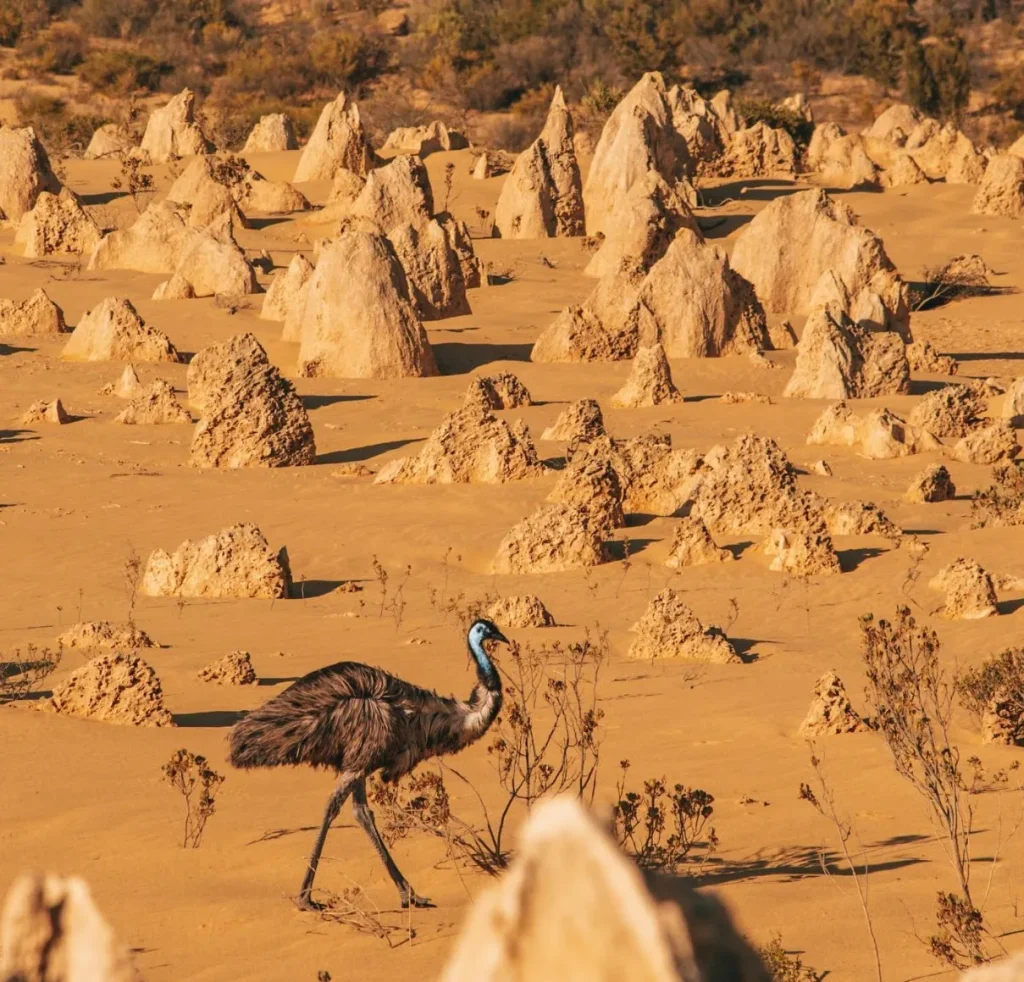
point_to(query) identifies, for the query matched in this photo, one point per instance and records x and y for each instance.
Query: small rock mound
(108, 140)
(52, 931)
(670, 629)
(153, 405)
(173, 131)
(988, 445)
(57, 224)
(1002, 721)
(287, 295)
(1002, 188)
(470, 446)
(931, 485)
(46, 412)
(554, 538)
(802, 552)
(423, 140)
(233, 669)
(236, 562)
(1013, 405)
(859, 518)
(116, 688)
(580, 422)
(495, 392)
(831, 712)
(923, 357)
(759, 151)
(176, 288)
(128, 384)
(591, 484)
(250, 415)
(105, 634)
(970, 592)
(952, 411)
(114, 331)
(543, 195)
(839, 158)
(880, 435)
(272, 133)
(650, 381)
(35, 316)
(692, 545)
(338, 141)
(520, 612)
(24, 172)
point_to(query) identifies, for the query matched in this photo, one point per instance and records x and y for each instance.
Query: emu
(358, 720)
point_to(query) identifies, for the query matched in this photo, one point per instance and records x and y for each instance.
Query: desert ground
(86, 797)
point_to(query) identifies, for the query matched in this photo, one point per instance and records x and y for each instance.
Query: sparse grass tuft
(198, 783)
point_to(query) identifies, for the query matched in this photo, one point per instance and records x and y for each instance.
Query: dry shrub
(22, 674)
(198, 784)
(751, 111)
(354, 908)
(782, 966)
(62, 132)
(59, 49)
(955, 280)
(661, 826)
(1001, 675)
(119, 71)
(545, 742)
(1002, 502)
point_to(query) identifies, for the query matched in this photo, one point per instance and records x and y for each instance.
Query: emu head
(484, 630)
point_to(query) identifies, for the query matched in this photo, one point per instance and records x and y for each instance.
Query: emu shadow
(920, 386)
(319, 402)
(14, 349)
(750, 189)
(213, 718)
(850, 559)
(277, 680)
(102, 197)
(311, 589)
(17, 436)
(617, 547)
(792, 865)
(267, 222)
(988, 355)
(356, 454)
(461, 358)
(738, 548)
(722, 226)
(744, 648)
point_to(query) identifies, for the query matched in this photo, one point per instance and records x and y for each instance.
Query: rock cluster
(433, 137)
(879, 436)
(831, 712)
(117, 688)
(970, 592)
(38, 315)
(520, 612)
(692, 545)
(234, 668)
(109, 635)
(804, 551)
(580, 422)
(496, 392)
(153, 404)
(554, 538)
(591, 484)
(670, 629)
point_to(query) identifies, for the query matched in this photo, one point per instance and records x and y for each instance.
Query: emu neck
(485, 670)
(484, 702)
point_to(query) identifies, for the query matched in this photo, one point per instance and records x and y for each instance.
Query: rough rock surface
(837, 359)
(924, 358)
(212, 262)
(1002, 723)
(859, 518)
(580, 422)
(831, 712)
(970, 592)
(901, 172)
(35, 316)
(638, 137)
(988, 444)
(944, 152)
(45, 412)
(554, 538)
(839, 158)
(642, 225)
(236, 562)
(953, 410)
(173, 131)
(543, 195)
(433, 271)
(52, 931)
(127, 385)
(108, 140)
(573, 907)
(670, 629)
(880, 435)
(150, 245)
(287, 294)
(1002, 188)
(520, 612)
(117, 688)
(114, 331)
(398, 193)
(234, 668)
(57, 224)
(154, 404)
(470, 446)
(759, 151)
(931, 485)
(176, 288)
(338, 141)
(1013, 405)
(692, 545)
(650, 381)
(271, 133)
(804, 551)
(496, 392)
(591, 483)
(788, 247)
(895, 124)
(359, 320)
(105, 634)
(24, 172)
(423, 140)
(250, 415)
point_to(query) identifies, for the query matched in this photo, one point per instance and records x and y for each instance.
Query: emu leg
(365, 818)
(334, 803)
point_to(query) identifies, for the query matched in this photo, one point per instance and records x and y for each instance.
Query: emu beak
(498, 636)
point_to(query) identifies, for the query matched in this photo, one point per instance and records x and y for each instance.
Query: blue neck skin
(485, 670)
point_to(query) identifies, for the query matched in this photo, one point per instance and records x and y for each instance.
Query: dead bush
(22, 674)
(1002, 502)
(782, 966)
(961, 277)
(198, 784)
(1001, 675)
(58, 49)
(62, 132)
(118, 71)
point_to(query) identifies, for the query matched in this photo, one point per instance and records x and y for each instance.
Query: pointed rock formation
(434, 137)
(212, 262)
(432, 268)
(173, 131)
(271, 134)
(338, 141)
(670, 629)
(692, 545)
(176, 288)
(543, 195)
(469, 447)
(895, 124)
(150, 245)
(700, 125)
(287, 293)
(236, 562)
(359, 320)
(496, 392)
(952, 411)
(250, 415)
(988, 444)
(46, 412)
(57, 224)
(970, 592)
(902, 172)
(24, 172)
(155, 404)
(802, 552)
(116, 688)
(1002, 188)
(554, 538)
(127, 385)
(650, 381)
(108, 635)
(580, 422)
(398, 193)
(38, 315)
(520, 612)
(114, 331)
(234, 668)
(931, 485)
(591, 484)
(108, 140)
(831, 712)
